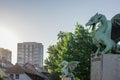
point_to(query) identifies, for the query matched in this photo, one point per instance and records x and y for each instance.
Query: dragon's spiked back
(115, 34)
(93, 20)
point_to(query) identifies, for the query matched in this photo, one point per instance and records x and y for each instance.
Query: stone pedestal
(66, 78)
(105, 67)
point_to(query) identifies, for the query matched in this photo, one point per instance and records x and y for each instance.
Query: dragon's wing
(115, 34)
(72, 65)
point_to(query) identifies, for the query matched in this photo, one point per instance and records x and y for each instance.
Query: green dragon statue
(104, 33)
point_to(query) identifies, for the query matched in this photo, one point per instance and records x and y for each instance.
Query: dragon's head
(94, 20)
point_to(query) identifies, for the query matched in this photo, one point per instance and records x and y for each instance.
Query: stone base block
(105, 67)
(66, 78)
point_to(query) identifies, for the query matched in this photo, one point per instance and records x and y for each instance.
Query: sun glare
(8, 40)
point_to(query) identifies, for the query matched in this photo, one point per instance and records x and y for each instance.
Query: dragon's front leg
(98, 51)
(98, 46)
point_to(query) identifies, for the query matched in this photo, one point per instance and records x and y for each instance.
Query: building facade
(30, 52)
(5, 54)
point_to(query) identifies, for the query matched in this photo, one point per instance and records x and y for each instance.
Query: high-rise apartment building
(30, 52)
(5, 54)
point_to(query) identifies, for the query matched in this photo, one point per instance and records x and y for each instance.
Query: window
(12, 76)
(17, 76)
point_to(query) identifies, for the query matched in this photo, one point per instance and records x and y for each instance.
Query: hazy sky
(41, 20)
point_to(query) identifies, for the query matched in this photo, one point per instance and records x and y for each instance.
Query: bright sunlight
(8, 40)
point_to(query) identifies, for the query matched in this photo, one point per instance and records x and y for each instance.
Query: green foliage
(1, 76)
(75, 46)
(77, 78)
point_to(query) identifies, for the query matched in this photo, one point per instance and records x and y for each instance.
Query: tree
(59, 52)
(75, 46)
(83, 48)
(52, 63)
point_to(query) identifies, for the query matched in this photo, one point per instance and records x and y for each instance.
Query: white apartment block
(30, 52)
(5, 54)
